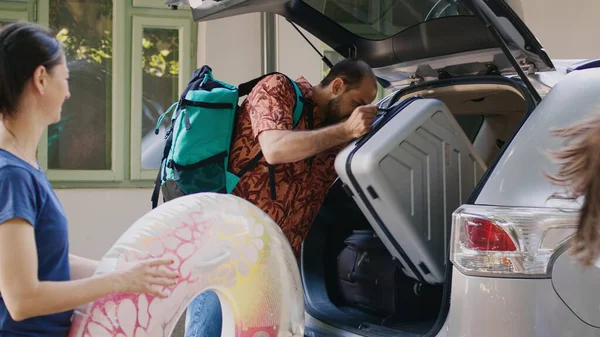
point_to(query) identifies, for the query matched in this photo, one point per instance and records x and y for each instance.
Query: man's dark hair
(23, 47)
(352, 71)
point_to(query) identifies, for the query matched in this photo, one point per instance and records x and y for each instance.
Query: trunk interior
(489, 113)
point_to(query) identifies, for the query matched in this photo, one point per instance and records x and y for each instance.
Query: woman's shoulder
(14, 169)
(25, 189)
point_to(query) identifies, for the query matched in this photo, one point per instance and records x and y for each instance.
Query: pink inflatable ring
(218, 242)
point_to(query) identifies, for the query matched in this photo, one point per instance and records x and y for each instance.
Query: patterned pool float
(219, 242)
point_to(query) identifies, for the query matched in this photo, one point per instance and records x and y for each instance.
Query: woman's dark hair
(579, 174)
(23, 47)
(352, 71)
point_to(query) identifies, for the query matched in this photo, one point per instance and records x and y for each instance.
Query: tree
(85, 30)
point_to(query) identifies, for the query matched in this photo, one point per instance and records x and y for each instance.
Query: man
(302, 158)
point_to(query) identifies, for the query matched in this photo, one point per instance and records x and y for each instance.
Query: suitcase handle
(387, 114)
(355, 276)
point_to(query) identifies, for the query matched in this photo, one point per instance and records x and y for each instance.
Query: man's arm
(82, 267)
(284, 146)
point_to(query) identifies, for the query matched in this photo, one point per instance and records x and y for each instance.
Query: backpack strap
(296, 115)
(156, 190)
(167, 148)
(160, 119)
(298, 105)
(245, 89)
(158, 181)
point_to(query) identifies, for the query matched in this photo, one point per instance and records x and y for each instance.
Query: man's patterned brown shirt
(301, 186)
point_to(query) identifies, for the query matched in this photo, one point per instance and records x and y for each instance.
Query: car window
(471, 124)
(378, 20)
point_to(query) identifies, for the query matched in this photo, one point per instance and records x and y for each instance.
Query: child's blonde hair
(579, 173)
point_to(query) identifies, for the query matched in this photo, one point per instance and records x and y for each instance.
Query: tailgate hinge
(518, 66)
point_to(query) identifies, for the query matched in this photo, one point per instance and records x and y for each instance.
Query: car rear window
(381, 19)
(471, 124)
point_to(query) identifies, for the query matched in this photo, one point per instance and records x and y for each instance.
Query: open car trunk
(407, 40)
(425, 181)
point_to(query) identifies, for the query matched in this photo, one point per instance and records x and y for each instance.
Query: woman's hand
(146, 277)
(25, 296)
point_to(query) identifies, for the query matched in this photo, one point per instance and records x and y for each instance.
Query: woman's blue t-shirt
(26, 193)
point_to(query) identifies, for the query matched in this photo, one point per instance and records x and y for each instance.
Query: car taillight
(507, 241)
(482, 234)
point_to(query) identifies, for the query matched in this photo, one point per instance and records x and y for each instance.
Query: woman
(40, 282)
(579, 173)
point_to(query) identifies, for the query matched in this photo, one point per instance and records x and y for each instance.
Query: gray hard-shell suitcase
(407, 176)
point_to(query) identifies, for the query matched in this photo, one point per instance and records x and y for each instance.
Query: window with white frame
(125, 58)
(155, 86)
(83, 139)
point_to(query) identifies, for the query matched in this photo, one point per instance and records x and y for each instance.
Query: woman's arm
(25, 296)
(82, 267)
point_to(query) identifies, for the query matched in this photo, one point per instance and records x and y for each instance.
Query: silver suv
(463, 211)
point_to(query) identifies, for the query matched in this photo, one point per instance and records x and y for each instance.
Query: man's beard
(333, 114)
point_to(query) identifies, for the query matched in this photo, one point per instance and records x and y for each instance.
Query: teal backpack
(196, 153)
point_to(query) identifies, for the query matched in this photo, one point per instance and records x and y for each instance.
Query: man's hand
(361, 120)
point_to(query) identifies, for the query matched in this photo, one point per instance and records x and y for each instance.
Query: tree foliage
(160, 55)
(85, 29)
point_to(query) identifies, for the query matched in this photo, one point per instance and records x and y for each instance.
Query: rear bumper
(510, 307)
